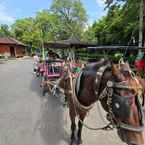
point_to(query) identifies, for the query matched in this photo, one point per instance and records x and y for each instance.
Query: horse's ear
(125, 67)
(115, 69)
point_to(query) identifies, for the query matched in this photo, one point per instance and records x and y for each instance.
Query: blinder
(120, 106)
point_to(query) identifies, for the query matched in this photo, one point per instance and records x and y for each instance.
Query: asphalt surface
(27, 118)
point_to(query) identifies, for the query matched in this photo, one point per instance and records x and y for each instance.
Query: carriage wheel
(44, 90)
(44, 87)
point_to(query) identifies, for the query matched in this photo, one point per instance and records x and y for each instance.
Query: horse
(118, 91)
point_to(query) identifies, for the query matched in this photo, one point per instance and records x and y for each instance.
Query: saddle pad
(78, 83)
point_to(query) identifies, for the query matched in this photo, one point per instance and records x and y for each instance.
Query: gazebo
(70, 45)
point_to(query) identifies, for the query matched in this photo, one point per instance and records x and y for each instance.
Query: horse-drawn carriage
(50, 71)
(111, 84)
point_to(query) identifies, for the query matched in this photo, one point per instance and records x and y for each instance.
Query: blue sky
(10, 10)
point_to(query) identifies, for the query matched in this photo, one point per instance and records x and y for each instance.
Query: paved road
(27, 118)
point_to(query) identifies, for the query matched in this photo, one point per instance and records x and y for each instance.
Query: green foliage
(72, 16)
(25, 31)
(119, 26)
(4, 30)
(89, 35)
(66, 18)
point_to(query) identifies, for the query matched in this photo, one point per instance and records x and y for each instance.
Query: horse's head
(123, 104)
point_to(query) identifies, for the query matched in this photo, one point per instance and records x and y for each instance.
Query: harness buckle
(110, 84)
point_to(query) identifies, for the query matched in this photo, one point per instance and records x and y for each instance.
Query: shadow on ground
(35, 85)
(50, 123)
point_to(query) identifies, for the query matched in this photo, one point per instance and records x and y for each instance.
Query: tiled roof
(10, 41)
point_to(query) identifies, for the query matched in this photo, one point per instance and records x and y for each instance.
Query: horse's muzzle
(125, 137)
(132, 144)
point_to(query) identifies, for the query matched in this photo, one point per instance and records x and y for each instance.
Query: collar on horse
(99, 74)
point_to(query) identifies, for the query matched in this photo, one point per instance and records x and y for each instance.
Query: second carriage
(50, 72)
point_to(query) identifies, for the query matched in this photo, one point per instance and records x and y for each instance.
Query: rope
(101, 116)
(107, 127)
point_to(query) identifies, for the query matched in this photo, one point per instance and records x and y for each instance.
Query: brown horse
(117, 90)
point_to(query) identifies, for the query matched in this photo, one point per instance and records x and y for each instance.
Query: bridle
(108, 93)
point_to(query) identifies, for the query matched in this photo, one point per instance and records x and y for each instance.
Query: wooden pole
(140, 44)
(42, 41)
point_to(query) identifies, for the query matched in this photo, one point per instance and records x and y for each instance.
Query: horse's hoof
(72, 141)
(79, 142)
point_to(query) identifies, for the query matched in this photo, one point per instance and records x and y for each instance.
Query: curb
(2, 61)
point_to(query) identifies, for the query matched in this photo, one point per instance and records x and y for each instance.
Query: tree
(89, 34)
(4, 30)
(25, 31)
(110, 2)
(120, 25)
(48, 25)
(72, 16)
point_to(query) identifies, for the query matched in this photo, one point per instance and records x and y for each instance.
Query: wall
(20, 51)
(5, 50)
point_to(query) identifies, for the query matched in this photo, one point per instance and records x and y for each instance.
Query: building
(11, 47)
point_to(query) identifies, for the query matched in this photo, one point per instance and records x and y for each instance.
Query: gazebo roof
(72, 42)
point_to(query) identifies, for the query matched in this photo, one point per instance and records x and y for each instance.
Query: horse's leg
(80, 126)
(73, 128)
(72, 118)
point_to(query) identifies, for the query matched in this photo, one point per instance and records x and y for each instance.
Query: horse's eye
(126, 73)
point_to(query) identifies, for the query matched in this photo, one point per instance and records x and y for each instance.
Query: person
(35, 62)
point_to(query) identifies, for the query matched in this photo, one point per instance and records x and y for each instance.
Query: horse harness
(108, 93)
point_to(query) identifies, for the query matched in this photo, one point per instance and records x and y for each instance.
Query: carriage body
(53, 69)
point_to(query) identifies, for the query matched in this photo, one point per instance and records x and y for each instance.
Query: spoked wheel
(44, 85)
(55, 91)
(58, 94)
(44, 90)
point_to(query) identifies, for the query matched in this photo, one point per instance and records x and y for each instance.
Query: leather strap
(98, 79)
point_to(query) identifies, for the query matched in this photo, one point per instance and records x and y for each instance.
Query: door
(12, 51)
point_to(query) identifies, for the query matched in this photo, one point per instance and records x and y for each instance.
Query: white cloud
(5, 17)
(100, 3)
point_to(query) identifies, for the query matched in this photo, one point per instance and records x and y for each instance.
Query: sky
(10, 10)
